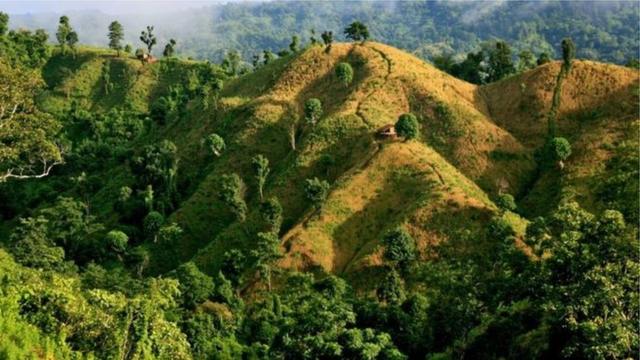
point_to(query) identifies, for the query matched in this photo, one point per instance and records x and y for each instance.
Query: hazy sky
(109, 7)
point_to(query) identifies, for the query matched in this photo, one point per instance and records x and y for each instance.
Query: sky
(107, 7)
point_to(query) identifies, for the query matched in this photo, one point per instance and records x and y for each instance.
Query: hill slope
(472, 140)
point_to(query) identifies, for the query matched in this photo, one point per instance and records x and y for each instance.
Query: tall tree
(147, 37)
(4, 23)
(116, 34)
(65, 35)
(357, 31)
(500, 62)
(28, 137)
(261, 167)
(169, 49)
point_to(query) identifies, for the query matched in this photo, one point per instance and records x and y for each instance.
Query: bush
(117, 240)
(152, 224)
(195, 286)
(344, 72)
(316, 191)
(407, 126)
(506, 202)
(312, 110)
(215, 143)
(400, 247)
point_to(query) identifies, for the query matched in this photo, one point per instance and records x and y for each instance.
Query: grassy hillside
(472, 139)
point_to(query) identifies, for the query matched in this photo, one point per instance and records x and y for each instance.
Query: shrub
(117, 240)
(344, 72)
(506, 202)
(152, 224)
(316, 191)
(407, 126)
(400, 247)
(312, 110)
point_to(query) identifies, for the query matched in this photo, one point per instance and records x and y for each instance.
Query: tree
(558, 149)
(152, 224)
(4, 23)
(543, 58)
(407, 126)
(231, 63)
(128, 49)
(140, 55)
(261, 167)
(170, 234)
(117, 241)
(65, 35)
(32, 247)
(116, 35)
(148, 38)
(500, 63)
(195, 286)
(232, 190)
(271, 212)
(169, 49)
(391, 289)
(526, 60)
(268, 57)
(215, 143)
(506, 202)
(357, 31)
(316, 191)
(294, 46)
(344, 72)
(267, 252)
(399, 247)
(30, 139)
(312, 110)
(568, 53)
(327, 39)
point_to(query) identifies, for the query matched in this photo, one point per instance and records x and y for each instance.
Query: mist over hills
(602, 30)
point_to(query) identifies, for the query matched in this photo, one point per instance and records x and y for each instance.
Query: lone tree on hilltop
(543, 58)
(295, 44)
(357, 31)
(344, 72)
(407, 126)
(148, 38)
(312, 110)
(116, 34)
(65, 35)
(169, 49)
(568, 53)
(327, 39)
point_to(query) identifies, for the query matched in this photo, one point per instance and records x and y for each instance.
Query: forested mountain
(603, 30)
(340, 200)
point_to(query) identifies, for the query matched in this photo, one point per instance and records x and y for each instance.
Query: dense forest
(158, 207)
(601, 30)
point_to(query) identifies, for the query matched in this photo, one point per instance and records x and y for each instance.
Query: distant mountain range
(605, 31)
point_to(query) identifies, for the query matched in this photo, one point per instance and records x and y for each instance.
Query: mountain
(602, 30)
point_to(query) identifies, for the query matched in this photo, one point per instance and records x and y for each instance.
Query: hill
(200, 211)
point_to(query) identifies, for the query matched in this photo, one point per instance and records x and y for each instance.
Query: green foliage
(327, 39)
(170, 234)
(231, 192)
(316, 191)
(344, 72)
(261, 168)
(399, 247)
(312, 110)
(157, 166)
(28, 136)
(555, 150)
(357, 31)
(500, 63)
(169, 48)
(391, 289)
(619, 186)
(4, 23)
(543, 58)
(271, 213)
(65, 35)
(407, 126)
(215, 143)
(195, 286)
(526, 60)
(506, 202)
(266, 253)
(116, 35)
(294, 47)
(117, 240)
(568, 53)
(32, 247)
(152, 224)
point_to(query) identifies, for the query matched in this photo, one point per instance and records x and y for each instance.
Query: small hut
(387, 132)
